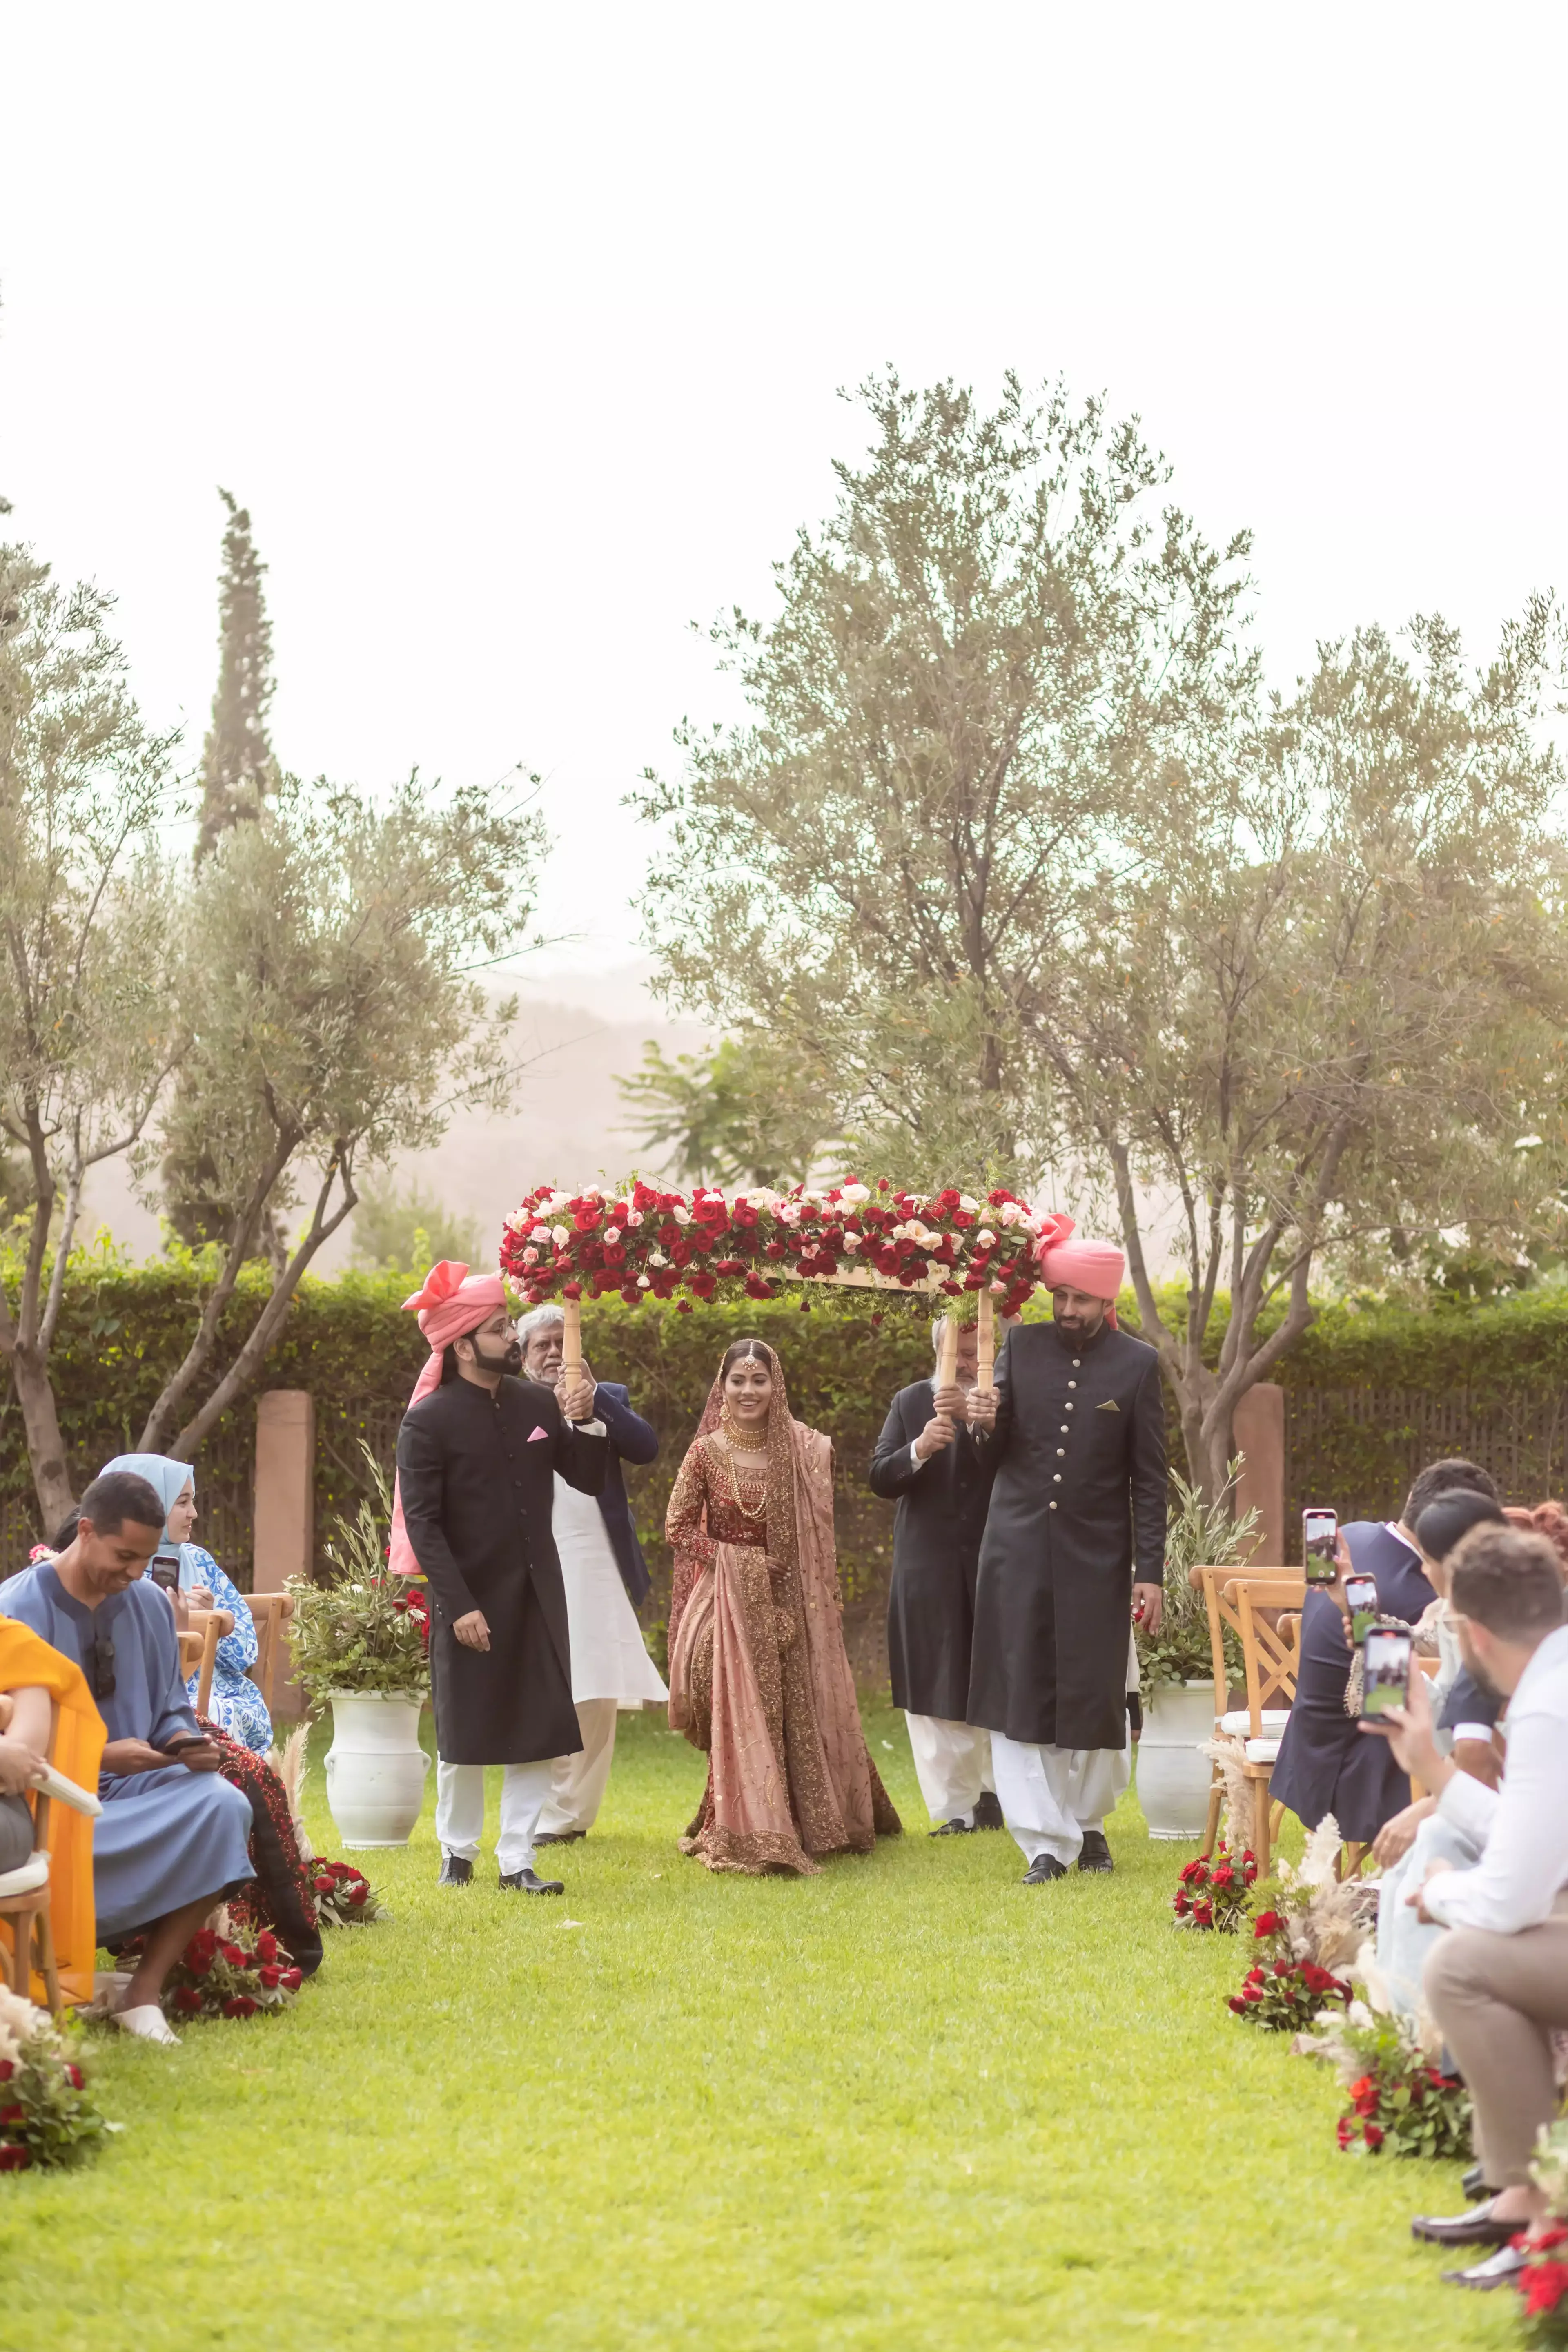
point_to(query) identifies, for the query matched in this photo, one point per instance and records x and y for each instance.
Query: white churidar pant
(1049, 1796)
(460, 1811)
(578, 1782)
(952, 1764)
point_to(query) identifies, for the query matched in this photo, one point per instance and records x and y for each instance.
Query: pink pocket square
(535, 1434)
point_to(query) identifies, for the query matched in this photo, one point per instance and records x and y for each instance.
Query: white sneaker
(147, 2021)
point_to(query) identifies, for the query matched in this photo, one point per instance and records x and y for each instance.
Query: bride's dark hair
(743, 1347)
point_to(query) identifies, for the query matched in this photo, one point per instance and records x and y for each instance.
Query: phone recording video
(165, 1571)
(1361, 1600)
(1320, 1534)
(1385, 1670)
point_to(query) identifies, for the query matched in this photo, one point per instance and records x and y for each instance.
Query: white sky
(519, 330)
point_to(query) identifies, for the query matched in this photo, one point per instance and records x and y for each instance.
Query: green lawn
(909, 2103)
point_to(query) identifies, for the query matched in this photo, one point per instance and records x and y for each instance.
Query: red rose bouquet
(638, 1242)
(344, 1895)
(1399, 2101)
(47, 2115)
(216, 1977)
(1212, 1893)
(1283, 1990)
(1544, 2282)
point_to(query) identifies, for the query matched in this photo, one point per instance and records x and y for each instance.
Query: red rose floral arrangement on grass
(1212, 1893)
(1544, 2282)
(47, 2115)
(216, 1977)
(637, 1242)
(1401, 2104)
(1281, 1993)
(344, 1895)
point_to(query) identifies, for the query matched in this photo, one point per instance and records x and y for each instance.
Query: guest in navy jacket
(1324, 1766)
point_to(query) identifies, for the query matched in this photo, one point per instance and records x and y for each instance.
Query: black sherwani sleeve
(892, 1471)
(994, 1441)
(1146, 1468)
(583, 1460)
(419, 1455)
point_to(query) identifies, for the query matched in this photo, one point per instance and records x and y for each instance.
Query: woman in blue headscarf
(236, 1706)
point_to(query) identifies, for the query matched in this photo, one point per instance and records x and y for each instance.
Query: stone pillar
(285, 1519)
(1259, 1435)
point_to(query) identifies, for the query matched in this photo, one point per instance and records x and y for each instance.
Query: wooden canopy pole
(985, 1342)
(947, 1351)
(571, 1340)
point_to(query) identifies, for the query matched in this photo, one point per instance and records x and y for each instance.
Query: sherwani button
(1056, 1477)
(1053, 1506)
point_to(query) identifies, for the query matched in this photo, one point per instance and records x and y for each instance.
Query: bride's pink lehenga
(758, 1674)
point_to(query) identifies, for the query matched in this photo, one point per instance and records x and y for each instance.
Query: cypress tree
(236, 758)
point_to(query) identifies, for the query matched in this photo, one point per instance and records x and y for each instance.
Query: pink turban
(452, 1302)
(1097, 1267)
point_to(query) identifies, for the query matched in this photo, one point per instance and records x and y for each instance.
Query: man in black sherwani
(927, 1461)
(1076, 1427)
(476, 1463)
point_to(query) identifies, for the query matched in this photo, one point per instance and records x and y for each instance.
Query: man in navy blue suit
(606, 1579)
(1324, 1766)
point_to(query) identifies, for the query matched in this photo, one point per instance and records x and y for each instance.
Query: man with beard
(477, 1456)
(1075, 1427)
(927, 1460)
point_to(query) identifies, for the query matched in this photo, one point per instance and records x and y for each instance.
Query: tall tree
(747, 1112)
(995, 637)
(328, 965)
(237, 767)
(88, 1032)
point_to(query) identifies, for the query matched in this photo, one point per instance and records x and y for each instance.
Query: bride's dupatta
(791, 1774)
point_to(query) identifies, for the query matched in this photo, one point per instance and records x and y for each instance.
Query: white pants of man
(952, 1764)
(460, 1811)
(1050, 1796)
(1403, 1941)
(578, 1782)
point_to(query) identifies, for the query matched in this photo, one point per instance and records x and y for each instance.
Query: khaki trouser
(1496, 1999)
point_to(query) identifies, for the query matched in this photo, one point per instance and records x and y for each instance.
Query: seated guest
(171, 1841)
(1324, 1766)
(235, 1705)
(32, 1679)
(1497, 1980)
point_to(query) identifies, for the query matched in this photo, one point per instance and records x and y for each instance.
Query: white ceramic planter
(1172, 1777)
(375, 1767)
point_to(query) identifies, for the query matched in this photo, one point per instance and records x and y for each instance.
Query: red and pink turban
(451, 1302)
(1097, 1267)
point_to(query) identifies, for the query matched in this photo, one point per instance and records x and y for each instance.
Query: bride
(759, 1674)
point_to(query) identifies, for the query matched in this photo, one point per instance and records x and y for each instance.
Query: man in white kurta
(600, 1564)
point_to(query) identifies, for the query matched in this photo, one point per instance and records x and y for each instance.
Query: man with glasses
(173, 1837)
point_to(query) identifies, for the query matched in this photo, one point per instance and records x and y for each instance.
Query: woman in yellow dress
(32, 1678)
(759, 1678)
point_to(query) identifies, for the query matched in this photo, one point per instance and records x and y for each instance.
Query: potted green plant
(1178, 1664)
(360, 1646)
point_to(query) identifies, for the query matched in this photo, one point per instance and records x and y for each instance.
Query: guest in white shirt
(1497, 1983)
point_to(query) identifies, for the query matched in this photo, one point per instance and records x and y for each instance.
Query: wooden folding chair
(1268, 1619)
(207, 1627)
(1233, 1722)
(270, 1612)
(32, 1934)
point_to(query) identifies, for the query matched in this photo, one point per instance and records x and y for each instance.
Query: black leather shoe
(950, 1829)
(1475, 2183)
(558, 1837)
(1094, 1853)
(989, 1811)
(454, 1871)
(1501, 2269)
(1476, 2228)
(1043, 1868)
(523, 1882)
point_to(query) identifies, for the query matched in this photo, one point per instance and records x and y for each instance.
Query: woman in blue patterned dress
(236, 1706)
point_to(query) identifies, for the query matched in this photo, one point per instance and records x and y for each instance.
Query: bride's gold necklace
(758, 1454)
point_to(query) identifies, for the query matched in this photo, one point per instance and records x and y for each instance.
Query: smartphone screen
(1319, 1533)
(1385, 1671)
(1361, 1599)
(165, 1570)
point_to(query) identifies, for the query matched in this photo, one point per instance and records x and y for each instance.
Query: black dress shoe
(1094, 1853)
(989, 1811)
(950, 1829)
(1475, 2183)
(454, 1871)
(1476, 2228)
(1044, 1867)
(558, 1837)
(523, 1882)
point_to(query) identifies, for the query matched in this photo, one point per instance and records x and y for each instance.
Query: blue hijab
(168, 1480)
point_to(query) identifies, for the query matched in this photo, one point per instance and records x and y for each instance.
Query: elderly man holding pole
(1074, 1428)
(478, 1457)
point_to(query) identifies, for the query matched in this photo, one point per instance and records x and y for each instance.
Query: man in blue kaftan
(173, 1838)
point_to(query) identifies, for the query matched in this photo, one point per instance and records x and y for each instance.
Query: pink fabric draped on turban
(1097, 1267)
(451, 1303)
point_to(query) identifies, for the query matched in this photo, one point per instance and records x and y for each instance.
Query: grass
(909, 2105)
